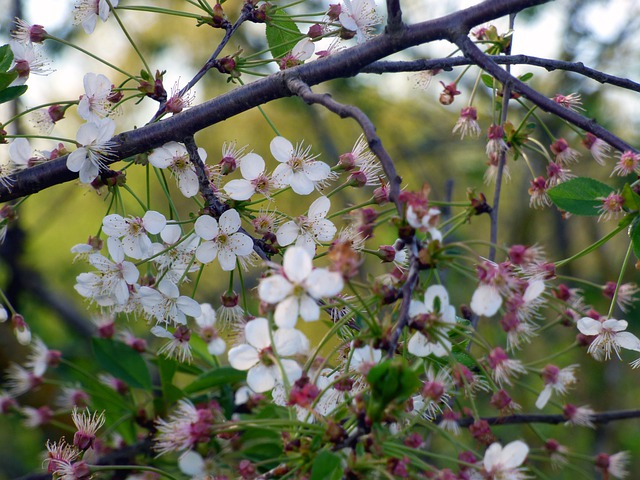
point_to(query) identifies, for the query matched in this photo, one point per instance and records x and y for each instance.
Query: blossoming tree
(439, 363)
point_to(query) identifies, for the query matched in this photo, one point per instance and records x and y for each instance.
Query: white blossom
(254, 180)
(96, 146)
(504, 463)
(132, 232)
(166, 305)
(222, 240)
(174, 156)
(298, 168)
(86, 13)
(437, 343)
(297, 288)
(610, 336)
(308, 230)
(94, 104)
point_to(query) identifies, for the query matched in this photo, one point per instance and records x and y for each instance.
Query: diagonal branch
(394, 16)
(340, 65)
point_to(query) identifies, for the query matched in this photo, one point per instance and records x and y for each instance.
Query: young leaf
(634, 233)
(12, 93)
(579, 196)
(6, 57)
(122, 362)
(282, 35)
(6, 78)
(327, 466)
(631, 198)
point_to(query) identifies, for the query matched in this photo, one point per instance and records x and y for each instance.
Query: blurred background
(37, 270)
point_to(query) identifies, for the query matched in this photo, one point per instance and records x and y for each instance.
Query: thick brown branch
(343, 64)
(394, 16)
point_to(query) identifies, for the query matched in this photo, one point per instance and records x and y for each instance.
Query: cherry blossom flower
(503, 463)
(177, 258)
(364, 358)
(573, 101)
(178, 102)
(613, 466)
(611, 206)
(60, 455)
(94, 104)
(555, 380)
(110, 285)
(628, 163)
(24, 32)
(303, 50)
(73, 397)
(609, 335)
(27, 59)
(626, 297)
(36, 417)
(581, 416)
(467, 123)
(297, 287)
(360, 17)
(184, 429)
(174, 156)
(45, 119)
(254, 179)
(19, 380)
(87, 424)
(599, 148)
(496, 144)
(132, 232)
(86, 13)
(20, 153)
(96, 147)
(178, 345)
(503, 368)
(538, 193)
(222, 239)
(41, 358)
(207, 330)
(565, 155)
(308, 230)
(298, 168)
(257, 355)
(166, 305)
(436, 322)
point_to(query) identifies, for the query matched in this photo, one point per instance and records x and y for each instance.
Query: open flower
(174, 156)
(86, 13)
(132, 232)
(359, 16)
(254, 180)
(436, 322)
(610, 336)
(166, 304)
(257, 355)
(298, 168)
(503, 463)
(308, 230)
(94, 104)
(222, 240)
(96, 147)
(298, 287)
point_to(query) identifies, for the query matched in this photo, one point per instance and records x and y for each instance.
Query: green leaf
(168, 368)
(631, 198)
(6, 78)
(487, 80)
(215, 378)
(391, 381)
(634, 234)
(282, 35)
(12, 93)
(6, 57)
(327, 466)
(122, 362)
(579, 196)
(527, 76)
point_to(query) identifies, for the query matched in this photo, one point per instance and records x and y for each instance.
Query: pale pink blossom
(254, 179)
(95, 138)
(132, 232)
(503, 463)
(360, 17)
(87, 12)
(166, 305)
(94, 104)
(555, 380)
(298, 168)
(609, 335)
(174, 156)
(436, 323)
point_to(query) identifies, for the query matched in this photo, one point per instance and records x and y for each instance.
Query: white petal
(257, 333)
(207, 252)
(319, 208)
(171, 234)
(316, 171)
(282, 175)
(417, 308)
(189, 306)
(322, 283)
(160, 157)
(305, 241)
(240, 244)
(230, 221)
(628, 340)
(589, 326)
(273, 289)
(227, 260)
(217, 346)
(154, 222)
(287, 233)
(486, 300)
(430, 296)
(492, 456)
(206, 227)
(544, 397)
(252, 166)
(533, 290)
(261, 378)
(324, 230)
(287, 311)
(309, 309)
(243, 357)
(188, 182)
(161, 332)
(281, 149)
(419, 345)
(514, 454)
(76, 159)
(297, 264)
(301, 184)
(239, 189)
(291, 369)
(191, 464)
(287, 342)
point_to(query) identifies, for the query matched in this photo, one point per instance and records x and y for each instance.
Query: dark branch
(546, 63)
(341, 65)
(394, 16)
(472, 52)
(596, 418)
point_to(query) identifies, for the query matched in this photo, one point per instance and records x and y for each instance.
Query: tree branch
(394, 16)
(341, 65)
(550, 65)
